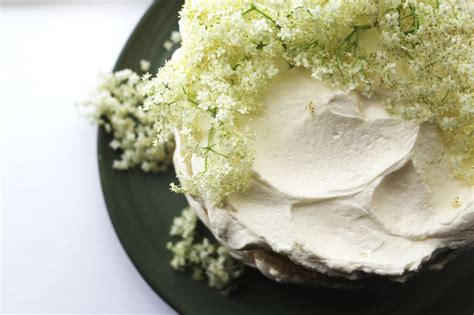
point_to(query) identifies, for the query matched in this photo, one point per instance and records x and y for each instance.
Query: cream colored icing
(339, 186)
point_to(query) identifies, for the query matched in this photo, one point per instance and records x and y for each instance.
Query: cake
(340, 191)
(325, 142)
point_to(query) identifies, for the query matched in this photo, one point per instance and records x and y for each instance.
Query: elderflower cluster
(204, 259)
(419, 51)
(115, 105)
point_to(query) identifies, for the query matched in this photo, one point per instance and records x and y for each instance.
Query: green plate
(141, 208)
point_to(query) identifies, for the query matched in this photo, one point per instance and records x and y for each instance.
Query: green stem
(265, 15)
(445, 96)
(352, 40)
(362, 27)
(415, 25)
(193, 101)
(218, 153)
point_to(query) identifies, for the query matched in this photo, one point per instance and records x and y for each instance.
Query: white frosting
(339, 186)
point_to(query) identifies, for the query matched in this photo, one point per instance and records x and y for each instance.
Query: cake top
(420, 53)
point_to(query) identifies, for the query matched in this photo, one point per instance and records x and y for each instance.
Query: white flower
(168, 45)
(117, 105)
(448, 123)
(175, 37)
(204, 259)
(144, 65)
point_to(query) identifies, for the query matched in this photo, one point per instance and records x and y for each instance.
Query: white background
(59, 253)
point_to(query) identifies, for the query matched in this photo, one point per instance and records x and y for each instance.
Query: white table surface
(59, 252)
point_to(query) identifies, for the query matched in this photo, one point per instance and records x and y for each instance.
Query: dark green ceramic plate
(142, 208)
